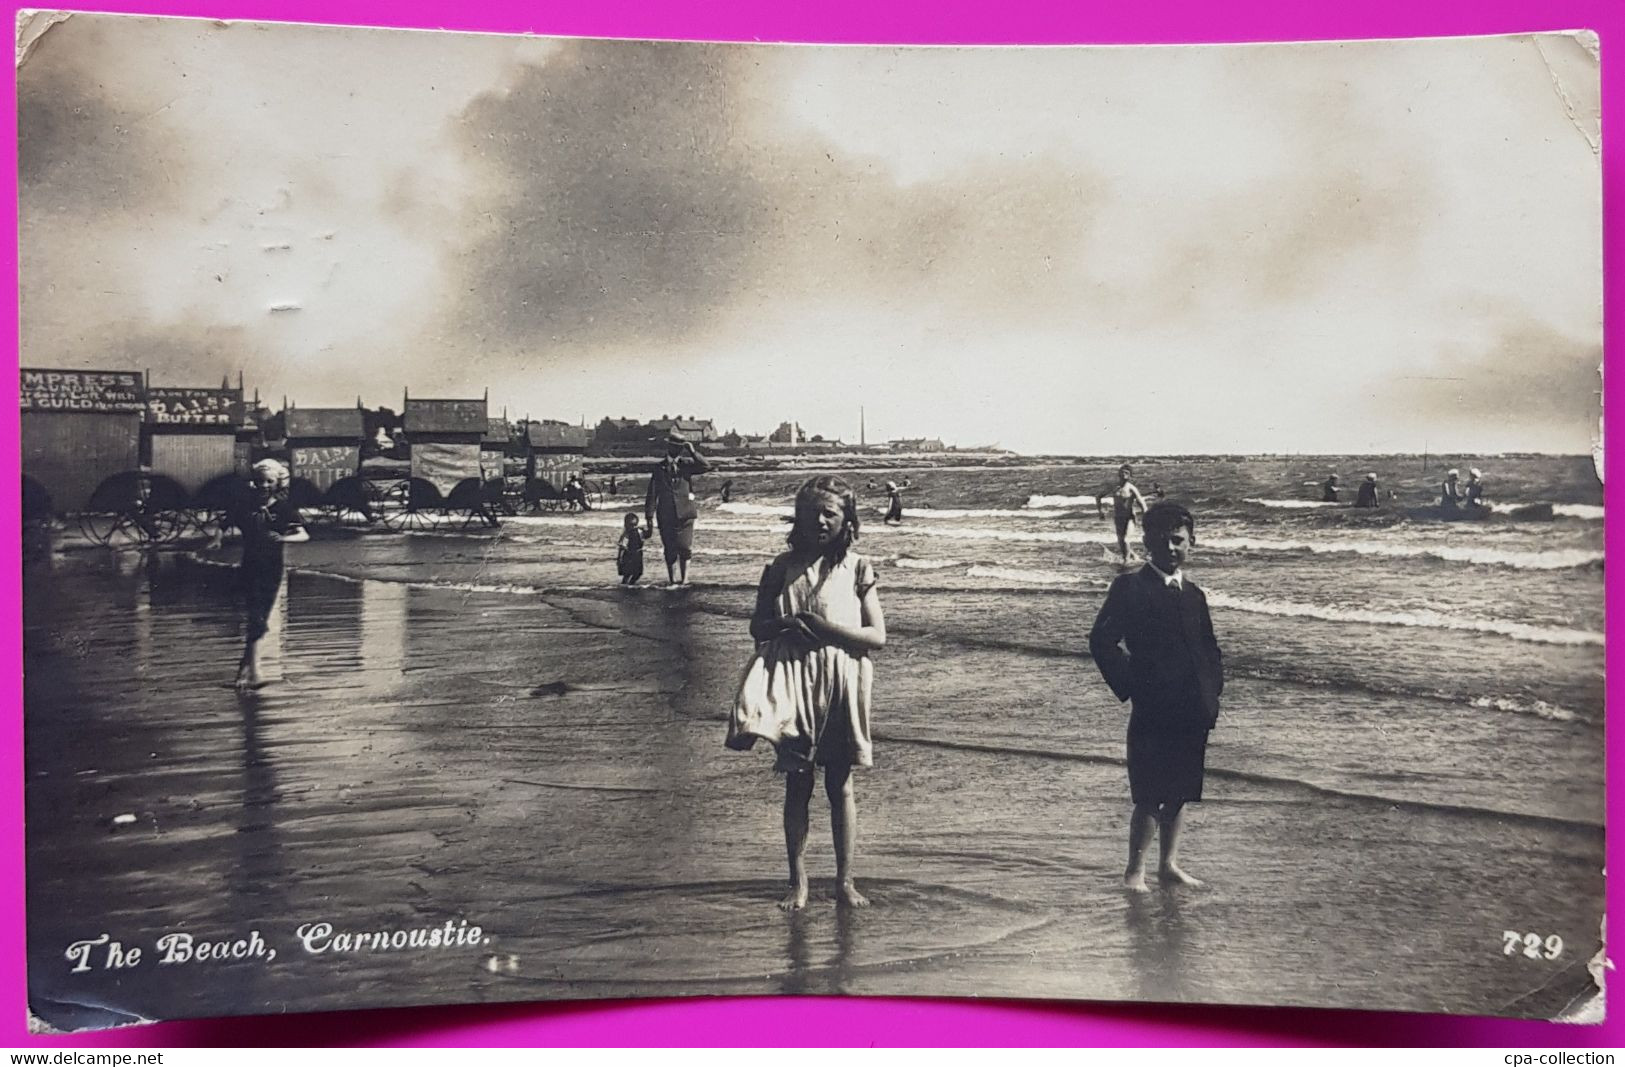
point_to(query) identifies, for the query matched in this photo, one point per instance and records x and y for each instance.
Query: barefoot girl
(268, 522)
(1153, 642)
(807, 688)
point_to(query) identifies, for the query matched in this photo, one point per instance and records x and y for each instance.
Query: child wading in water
(807, 688)
(268, 522)
(629, 552)
(1153, 642)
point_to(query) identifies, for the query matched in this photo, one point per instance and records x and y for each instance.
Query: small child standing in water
(806, 690)
(268, 521)
(1153, 642)
(629, 551)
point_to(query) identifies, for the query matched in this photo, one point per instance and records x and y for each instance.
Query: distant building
(553, 436)
(701, 430)
(917, 444)
(788, 433)
(609, 429)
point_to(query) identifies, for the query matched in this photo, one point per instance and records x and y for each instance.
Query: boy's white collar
(1176, 579)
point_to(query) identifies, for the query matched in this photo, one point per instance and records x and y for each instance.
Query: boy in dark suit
(1153, 642)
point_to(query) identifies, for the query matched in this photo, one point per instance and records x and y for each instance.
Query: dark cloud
(621, 200)
(1529, 376)
(636, 191)
(180, 353)
(640, 192)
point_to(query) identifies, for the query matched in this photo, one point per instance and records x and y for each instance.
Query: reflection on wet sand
(1160, 962)
(383, 630)
(820, 964)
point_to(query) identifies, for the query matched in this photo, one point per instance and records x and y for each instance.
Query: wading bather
(671, 500)
(268, 522)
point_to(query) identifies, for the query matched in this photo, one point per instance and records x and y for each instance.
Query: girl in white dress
(806, 690)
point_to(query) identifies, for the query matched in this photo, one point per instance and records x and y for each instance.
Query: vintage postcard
(516, 518)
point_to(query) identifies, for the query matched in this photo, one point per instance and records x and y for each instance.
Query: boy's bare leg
(798, 787)
(682, 571)
(1172, 821)
(1139, 839)
(843, 825)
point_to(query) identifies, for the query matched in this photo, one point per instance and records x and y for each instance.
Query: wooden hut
(78, 429)
(445, 437)
(554, 451)
(324, 444)
(494, 450)
(190, 434)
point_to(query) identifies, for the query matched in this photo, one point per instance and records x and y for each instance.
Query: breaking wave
(1021, 574)
(1518, 631)
(1040, 500)
(1542, 560)
(1294, 504)
(979, 513)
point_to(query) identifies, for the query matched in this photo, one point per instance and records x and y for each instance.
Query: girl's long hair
(802, 538)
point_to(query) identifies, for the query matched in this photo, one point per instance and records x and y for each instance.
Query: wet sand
(550, 768)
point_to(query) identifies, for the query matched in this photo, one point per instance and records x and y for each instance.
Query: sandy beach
(443, 744)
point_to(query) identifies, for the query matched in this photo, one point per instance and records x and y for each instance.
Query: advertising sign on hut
(81, 390)
(322, 465)
(444, 417)
(445, 463)
(181, 406)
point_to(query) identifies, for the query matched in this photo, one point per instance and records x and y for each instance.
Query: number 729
(1532, 945)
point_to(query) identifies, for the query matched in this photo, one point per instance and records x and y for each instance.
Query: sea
(1407, 770)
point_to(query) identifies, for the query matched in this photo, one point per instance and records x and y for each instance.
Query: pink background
(847, 1021)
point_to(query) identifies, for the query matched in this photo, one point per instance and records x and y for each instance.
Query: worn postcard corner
(34, 24)
(1590, 1007)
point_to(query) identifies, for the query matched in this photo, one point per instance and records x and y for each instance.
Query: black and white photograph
(511, 518)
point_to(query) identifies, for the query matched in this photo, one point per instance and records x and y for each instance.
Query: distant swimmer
(1450, 490)
(894, 504)
(1127, 506)
(1475, 488)
(1366, 497)
(727, 490)
(1328, 490)
(1156, 491)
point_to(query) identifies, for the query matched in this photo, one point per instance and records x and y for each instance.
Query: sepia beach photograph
(514, 518)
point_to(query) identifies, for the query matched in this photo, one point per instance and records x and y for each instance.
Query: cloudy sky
(1313, 248)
